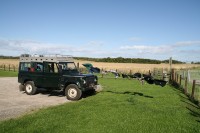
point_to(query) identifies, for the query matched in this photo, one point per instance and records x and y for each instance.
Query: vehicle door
(51, 75)
(37, 73)
(29, 71)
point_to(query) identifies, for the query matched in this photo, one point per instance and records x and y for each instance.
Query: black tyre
(72, 92)
(30, 88)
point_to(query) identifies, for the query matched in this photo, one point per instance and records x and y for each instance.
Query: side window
(25, 66)
(51, 68)
(39, 67)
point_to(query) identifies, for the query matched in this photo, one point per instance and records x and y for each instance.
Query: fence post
(193, 88)
(4, 67)
(102, 72)
(188, 75)
(172, 74)
(185, 89)
(180, 80)
(78, 65)
(130, 72)
(14, 67)
(177, 77)
(9, 67)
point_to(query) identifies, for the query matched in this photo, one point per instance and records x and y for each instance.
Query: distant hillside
(128, 60)
(8, 57)
(116, 60)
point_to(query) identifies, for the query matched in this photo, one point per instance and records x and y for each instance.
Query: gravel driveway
(14, 103)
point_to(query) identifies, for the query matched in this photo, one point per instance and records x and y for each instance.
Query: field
(8, 73)
(123, 106)
(121, 67)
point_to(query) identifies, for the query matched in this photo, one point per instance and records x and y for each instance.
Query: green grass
(8, 73)
(123, 106)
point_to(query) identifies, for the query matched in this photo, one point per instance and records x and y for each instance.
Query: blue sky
(155, 29)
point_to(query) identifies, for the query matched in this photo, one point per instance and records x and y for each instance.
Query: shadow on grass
(131, 93)
(193, 109)
(194, 113)
(61, 93)
(192, 104)
(89, 93)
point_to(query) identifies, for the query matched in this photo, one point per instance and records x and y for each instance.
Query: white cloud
(187, 43)
(95, 43)
(148, 48)
(17, 47)
(184, 51)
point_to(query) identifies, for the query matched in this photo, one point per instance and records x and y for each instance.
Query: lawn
(123, 106)
(8, 73)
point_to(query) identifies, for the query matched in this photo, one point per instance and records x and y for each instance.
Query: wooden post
(176, 78)
(130, 72)
(193, 88)
(9, 67)
(102, 72)
(4, 67)
(14, 67)
(180, 80)
(185, 89)
(170, 64)
(172, 75)
(78, 65)
(150, 72)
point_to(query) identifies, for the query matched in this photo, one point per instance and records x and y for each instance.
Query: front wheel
(30, 88)
(72, 92)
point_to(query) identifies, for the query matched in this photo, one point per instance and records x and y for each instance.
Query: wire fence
(189, 81)
(9, 67)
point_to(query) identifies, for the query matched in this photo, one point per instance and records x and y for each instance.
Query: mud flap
(21, 87)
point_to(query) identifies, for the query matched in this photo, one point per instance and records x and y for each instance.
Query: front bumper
(98, 88)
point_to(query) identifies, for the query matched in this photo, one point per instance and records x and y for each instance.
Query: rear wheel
(72, 92)
(30, 88)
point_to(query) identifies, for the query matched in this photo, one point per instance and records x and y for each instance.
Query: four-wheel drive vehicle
(54, 73)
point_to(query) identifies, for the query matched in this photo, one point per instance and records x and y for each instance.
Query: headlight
(83, 80)
(95, 79)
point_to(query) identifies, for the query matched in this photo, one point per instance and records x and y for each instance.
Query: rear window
(31, 66)
(25, 66)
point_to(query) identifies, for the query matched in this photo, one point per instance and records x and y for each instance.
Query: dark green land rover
(53, 72)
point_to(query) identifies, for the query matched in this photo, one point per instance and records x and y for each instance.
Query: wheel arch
(69, 83)
(26, 80)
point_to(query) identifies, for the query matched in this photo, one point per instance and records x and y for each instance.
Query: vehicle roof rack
(48, 58)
